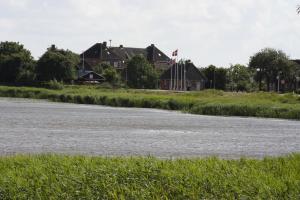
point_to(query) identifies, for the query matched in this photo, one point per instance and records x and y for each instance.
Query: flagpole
(177, 71)
(181, 70)
(171, 82)
(184, 76)
(175, 75)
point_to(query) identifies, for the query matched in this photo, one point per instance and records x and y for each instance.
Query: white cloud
(209, 32)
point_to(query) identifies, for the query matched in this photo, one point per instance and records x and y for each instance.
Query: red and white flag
(175, 53)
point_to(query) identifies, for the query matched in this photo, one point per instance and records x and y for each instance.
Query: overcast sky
(218, 32)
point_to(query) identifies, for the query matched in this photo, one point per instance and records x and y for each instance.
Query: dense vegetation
(78, 177)
(209, 102)
(268, 70)
(140, 74)
(57, 64)
(16, 63)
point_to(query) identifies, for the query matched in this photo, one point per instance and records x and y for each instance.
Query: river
(35, 126)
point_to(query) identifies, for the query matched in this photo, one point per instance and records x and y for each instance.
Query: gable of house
(84, 75)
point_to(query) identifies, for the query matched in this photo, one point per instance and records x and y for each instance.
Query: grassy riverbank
(208, 102)
(78, 177)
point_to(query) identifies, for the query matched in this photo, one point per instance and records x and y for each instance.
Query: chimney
(53, 47)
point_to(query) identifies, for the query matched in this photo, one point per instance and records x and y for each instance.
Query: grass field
(207, 102)
(78, 177)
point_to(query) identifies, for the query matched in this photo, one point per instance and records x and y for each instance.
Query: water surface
(33, 126)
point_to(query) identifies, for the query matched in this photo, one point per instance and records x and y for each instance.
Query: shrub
(173, 104)
(55, 85)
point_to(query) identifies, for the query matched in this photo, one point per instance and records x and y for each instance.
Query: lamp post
(259, 75)
(278, 80)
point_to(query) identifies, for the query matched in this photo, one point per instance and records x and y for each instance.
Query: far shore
(207, 102)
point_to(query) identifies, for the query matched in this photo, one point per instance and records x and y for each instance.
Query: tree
(141, 74)
(57, 64)
(238, 77)
(111, 75)
(99, 68)
(216, 77)
(16, 63)
(269, 64)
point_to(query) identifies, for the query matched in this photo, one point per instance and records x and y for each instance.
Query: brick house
(118, 56)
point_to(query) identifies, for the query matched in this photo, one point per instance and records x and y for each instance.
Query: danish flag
(175, 53)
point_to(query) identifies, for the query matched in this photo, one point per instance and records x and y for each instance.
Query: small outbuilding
(183, 76)
(86, 76)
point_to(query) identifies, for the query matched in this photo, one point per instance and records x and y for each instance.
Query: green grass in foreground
(207, 102)
(78, 177)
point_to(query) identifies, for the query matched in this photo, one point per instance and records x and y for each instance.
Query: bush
(55, 85)
(105, 85)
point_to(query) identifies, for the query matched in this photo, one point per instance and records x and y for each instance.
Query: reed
(209, 102)
(82, 177)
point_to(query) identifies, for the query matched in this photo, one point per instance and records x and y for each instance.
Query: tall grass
(208, 102)
(78, 177)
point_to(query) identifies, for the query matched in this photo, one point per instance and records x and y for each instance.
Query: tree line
(268, 70)
(17, 65)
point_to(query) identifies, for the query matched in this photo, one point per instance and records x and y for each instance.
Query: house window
(116, 64)
(91, 76)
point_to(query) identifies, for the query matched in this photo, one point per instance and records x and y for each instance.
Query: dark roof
(192, 72)
(104, 53)
(296, 61)
(84, 74)
(154, 54)
(87, 66)
(126, 53)
(93, 52)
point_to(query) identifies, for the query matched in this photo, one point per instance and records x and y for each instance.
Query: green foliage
(271, 64)
(79, 177)
(55, 85)
(99, 68)
(111, 75)
(140, 73)
(57, 64)
(16, 63)
(216, 77)
(239, 78)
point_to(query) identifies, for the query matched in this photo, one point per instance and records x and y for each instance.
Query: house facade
(117, 57)
(183, 76)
